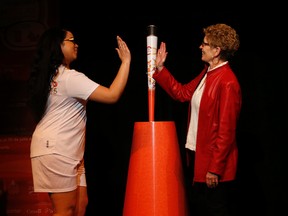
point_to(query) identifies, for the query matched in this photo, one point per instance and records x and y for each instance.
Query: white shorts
(55, 173)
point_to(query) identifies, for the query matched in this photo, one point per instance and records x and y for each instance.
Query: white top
(195, 105)
(63, 126)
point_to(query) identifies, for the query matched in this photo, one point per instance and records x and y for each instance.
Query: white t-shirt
(63, 126)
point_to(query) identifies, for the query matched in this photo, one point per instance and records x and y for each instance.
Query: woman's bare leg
(82, 201)
(64, 203)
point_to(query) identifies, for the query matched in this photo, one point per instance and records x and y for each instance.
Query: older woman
(215, 102)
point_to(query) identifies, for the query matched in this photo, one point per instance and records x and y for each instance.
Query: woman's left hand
(212, 180)
(161, 56)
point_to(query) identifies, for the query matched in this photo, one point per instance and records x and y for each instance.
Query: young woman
(58, 96)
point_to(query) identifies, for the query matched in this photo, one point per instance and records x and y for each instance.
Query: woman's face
(208, 52)
(69, 48)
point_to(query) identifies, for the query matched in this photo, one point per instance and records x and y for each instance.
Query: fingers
(212, 184)
(123, 50)
(162, 49)
(211, 180)
(121, 44)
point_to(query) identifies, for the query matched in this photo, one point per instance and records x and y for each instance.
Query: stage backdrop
(21, 24)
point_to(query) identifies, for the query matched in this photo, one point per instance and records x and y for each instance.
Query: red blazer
(216, 147)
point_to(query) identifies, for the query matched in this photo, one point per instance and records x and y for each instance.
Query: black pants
(218, 201)
(204, 201)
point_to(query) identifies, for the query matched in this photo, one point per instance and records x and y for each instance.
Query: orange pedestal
(155, 184)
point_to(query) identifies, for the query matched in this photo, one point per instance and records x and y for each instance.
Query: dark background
(260, 65)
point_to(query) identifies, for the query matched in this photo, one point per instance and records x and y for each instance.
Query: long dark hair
(47, 59)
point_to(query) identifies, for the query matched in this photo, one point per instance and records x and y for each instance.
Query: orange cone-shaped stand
(155, 183)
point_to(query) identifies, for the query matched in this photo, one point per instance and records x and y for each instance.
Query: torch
(151, 67)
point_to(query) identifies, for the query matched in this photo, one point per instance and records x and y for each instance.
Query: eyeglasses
(72, 40)
(205, 44)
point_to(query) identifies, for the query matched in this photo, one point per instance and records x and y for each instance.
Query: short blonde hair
(223, 36)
